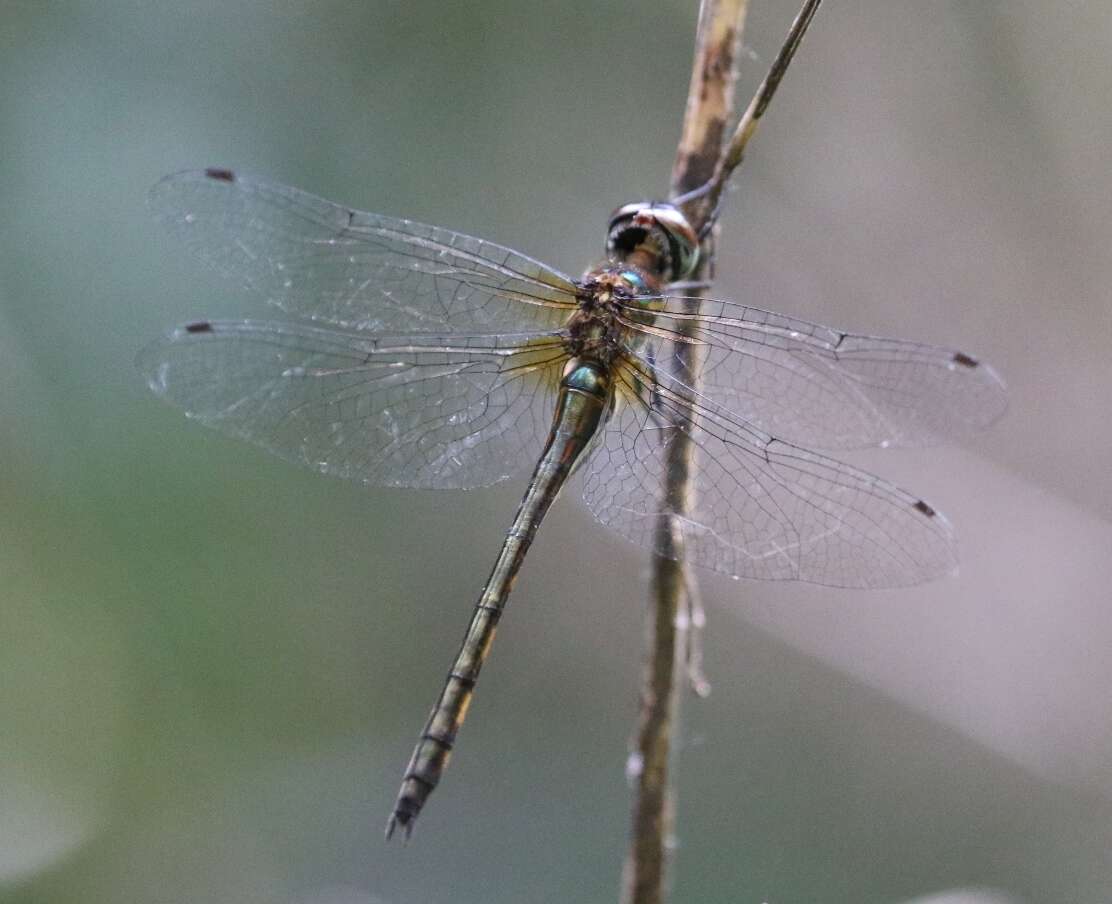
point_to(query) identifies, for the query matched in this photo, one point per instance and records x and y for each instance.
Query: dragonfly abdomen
(582, 405)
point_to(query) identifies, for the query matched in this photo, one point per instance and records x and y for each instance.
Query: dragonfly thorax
(655, 236)
(609, 299)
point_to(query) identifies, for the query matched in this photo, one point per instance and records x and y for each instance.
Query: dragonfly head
(654, 235)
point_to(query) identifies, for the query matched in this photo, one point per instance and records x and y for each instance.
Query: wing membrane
(762, 508)
(404, 411)
(352, 269)
(820, 387)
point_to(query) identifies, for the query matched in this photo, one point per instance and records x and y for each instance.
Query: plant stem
(709, 108)
(700, 173)
(747, 125)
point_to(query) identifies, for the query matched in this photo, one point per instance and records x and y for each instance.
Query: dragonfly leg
(689, 285)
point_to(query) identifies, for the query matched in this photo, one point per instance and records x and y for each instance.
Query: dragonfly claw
(405, 820)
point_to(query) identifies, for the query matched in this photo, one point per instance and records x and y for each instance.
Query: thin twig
(747, 125)
(701, 171)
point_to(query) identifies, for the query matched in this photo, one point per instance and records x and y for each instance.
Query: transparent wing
(821, 387)
(357, 270)
(762, 508)
(404, 411)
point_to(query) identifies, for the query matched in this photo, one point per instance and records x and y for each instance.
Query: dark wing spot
(924, 509)
(964, 360)
(221, 175)
(203, 327)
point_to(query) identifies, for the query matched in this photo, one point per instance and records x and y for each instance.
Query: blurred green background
(213, 665)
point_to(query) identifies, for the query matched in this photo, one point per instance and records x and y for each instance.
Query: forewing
(762, 507)
(352, 269)
(403, 411)
(824, 388)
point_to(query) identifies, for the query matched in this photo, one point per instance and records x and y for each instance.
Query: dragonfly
(419, 357)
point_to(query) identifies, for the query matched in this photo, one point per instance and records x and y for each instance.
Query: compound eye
(658, 228)
(683, 243)
(627, 212)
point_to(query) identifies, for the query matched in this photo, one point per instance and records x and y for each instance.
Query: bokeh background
(213, 665)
